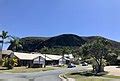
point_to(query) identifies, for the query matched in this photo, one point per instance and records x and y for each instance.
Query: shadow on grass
(118, 67)
(89, 73)
(3, 68)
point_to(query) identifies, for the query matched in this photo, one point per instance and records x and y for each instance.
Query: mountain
(31, 44)
(114, 44)
(64, 40)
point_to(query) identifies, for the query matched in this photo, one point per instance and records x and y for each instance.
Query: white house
(25, 59)
(5, 53)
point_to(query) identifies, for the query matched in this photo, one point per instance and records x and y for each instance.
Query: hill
(31, 44)
(64, 40)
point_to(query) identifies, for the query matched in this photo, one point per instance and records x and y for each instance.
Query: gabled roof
(53, 57)
(26, 56)
(7, 52)
(30, 56)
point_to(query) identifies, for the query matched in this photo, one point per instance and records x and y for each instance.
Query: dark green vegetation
(29, 44)
(6, 38)
(65, 40)
(99, 52)
(65, 44)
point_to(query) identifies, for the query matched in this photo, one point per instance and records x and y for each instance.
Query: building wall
(25, 62)
(39, 60)
(62, 61)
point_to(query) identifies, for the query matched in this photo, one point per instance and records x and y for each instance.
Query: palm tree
(16, 44)
(4, 36)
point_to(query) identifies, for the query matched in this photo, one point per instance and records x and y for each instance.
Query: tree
(7, 61)
(45, 50)
(4, 36)
(63, 51)
(16, 44)
(12, 62)
(97, 50)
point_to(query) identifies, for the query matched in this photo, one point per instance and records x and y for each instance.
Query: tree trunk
(63, 59)
(100, 69)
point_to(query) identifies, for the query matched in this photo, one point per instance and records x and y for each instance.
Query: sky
(24, 18)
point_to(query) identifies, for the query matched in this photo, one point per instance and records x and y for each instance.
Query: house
(5, 53)
(118, 60)
(29, 59)
(58, 59)
(52, 59)
(68, 58)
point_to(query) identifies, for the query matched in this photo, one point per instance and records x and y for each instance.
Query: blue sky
(53, 17)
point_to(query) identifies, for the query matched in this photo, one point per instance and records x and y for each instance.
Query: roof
(68, 55)
(43, 56)
(7, 52)
(53, 57)
(29, 56)
(26, 56)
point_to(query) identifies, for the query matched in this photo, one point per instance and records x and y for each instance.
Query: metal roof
(7, 52)
(26, 56)
(53, 57)
(31, 56)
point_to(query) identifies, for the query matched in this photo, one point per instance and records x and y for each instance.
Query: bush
(90, 73)
(9, 62)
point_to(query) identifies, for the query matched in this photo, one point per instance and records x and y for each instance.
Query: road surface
(52, 75)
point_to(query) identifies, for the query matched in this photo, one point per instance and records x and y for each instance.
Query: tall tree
(97, 50)
(16, 44)
(45, 51)
(63, 51)
(4, 36)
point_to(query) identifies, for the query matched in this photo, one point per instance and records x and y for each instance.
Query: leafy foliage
(64, 40)
(97, 50)
(67, 43)
(9, 62)
(16, 44)
(31, 44)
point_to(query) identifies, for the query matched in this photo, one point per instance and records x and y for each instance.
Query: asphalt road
(52, 75)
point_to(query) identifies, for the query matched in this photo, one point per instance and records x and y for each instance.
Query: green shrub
(9, 62)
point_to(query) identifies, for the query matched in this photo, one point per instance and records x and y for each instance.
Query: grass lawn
(78, 77)
(111, 76)
(25, 70)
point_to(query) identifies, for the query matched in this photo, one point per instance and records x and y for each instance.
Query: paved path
(113, 70)
(38, 76)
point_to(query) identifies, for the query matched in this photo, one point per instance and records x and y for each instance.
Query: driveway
(113, 70)
(38, 76)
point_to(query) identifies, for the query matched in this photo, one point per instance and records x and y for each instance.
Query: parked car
(84, 64)
(71, 65)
